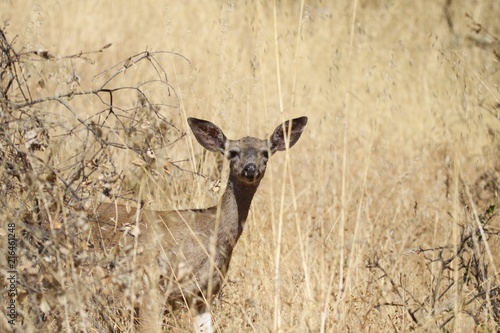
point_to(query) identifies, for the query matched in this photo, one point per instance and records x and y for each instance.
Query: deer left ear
(208, 135)
(293, 127)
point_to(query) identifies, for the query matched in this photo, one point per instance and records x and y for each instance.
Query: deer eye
(233, 153)
(265, 154)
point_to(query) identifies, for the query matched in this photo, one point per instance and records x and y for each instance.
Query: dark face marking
(248, 159)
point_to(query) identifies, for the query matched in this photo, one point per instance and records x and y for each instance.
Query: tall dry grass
(378, 220)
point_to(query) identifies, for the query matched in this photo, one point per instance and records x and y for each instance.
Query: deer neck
(236, 202)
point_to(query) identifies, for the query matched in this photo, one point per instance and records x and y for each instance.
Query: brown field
(376, 221)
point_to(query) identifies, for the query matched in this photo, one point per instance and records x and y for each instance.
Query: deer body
(192, 249)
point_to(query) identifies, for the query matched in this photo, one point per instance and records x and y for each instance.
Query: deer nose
(250, 170)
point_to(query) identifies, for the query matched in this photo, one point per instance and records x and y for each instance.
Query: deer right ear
(277, 139)
(208, 135)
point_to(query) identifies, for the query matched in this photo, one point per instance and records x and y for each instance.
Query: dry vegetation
(384, 217)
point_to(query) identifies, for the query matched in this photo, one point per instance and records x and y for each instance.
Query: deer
(190, 250)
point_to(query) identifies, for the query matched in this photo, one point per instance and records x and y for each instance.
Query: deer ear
(277, 139)
(208, 135)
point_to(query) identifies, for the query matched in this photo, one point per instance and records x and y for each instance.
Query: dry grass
(353, 230)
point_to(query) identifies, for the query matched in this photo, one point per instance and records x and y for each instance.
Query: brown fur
(180, 244)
